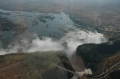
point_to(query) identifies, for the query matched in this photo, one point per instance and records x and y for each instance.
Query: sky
(97, 1)
(101, 2)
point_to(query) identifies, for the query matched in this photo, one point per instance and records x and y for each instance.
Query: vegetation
(100, 57)
(45, 18)
(37, 65)
(10, 66)
(110, 61)
(42, 65)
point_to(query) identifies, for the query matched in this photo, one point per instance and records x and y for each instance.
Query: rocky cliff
(102, 59)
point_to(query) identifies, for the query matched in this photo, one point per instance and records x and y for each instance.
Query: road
(108, 71)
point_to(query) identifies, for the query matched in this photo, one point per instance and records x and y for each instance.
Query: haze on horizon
(81, 1)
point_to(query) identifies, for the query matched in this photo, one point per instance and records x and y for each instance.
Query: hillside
(102, 59)
(38, 65)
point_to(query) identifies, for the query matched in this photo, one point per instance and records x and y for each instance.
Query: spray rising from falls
(68, 43)
(74, 36)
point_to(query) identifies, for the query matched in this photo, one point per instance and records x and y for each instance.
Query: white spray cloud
(44, 45)
(86, 71)
(73, 39)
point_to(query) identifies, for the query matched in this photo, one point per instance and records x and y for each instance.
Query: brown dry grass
(111, 61)
(10, 66)
(11, 72)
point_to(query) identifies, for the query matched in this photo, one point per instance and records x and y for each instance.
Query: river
(44, 32)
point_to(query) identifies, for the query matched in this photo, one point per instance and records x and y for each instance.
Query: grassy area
(37, 65)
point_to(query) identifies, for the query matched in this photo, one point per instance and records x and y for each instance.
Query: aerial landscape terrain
(59, 39)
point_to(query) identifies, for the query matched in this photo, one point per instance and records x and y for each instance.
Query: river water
(42, 24)
(45, 32)
(55, 27)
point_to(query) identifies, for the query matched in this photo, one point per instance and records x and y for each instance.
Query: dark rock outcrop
(99, 57)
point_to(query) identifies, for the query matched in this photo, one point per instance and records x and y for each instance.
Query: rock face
(101, 57)
(38, 65)
(115, 75)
